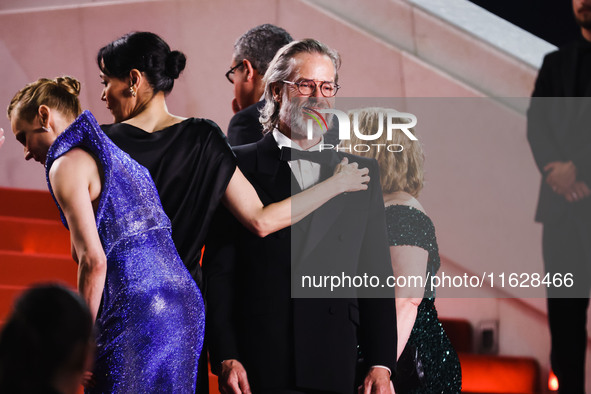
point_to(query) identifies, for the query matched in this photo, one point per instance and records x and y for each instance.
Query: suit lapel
(280, 183)
(321, 220)
(278, 180)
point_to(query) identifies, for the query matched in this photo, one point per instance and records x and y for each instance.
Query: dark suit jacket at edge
(283, 342)
(244, 127)
(558, 128)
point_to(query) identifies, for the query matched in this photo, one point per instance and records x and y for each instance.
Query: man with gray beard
(266, 332)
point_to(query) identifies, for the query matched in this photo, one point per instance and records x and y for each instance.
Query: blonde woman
(427, 362)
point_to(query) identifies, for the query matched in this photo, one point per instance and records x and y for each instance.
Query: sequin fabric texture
(151, 319)
(409, 226)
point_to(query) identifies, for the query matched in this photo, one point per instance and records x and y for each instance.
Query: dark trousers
(567, 249)
(202, 373)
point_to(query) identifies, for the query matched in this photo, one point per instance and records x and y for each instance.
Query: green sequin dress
(441, 366)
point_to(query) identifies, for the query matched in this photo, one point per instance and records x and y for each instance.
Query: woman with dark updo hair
(189, 159)
(153, 60)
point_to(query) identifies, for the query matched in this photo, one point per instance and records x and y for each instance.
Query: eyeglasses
(307, 87)
(230, 73)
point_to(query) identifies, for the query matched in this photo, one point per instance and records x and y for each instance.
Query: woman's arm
(76, 183)
(244, 203)
(407, 262)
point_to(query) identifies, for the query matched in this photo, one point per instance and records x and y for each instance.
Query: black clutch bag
(409, 370)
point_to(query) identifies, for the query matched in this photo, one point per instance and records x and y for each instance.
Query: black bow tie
(320, 157)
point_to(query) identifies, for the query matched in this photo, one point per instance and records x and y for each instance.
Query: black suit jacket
(244, 127)
(298, 342)
(559, 128)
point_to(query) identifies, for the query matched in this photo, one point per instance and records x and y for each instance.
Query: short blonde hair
(399, 171)
(59, 93)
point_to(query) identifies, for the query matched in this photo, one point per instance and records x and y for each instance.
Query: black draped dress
(191, 164)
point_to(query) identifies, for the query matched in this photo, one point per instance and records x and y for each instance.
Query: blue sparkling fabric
(409, 226)
(151, 320)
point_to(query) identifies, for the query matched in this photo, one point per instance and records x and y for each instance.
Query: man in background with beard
(559, 134)
(260, 337)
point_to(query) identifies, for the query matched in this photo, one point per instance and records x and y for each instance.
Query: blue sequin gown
(151, 320)
(442, 372)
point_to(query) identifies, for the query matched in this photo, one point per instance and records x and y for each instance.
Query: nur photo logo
(390, 122)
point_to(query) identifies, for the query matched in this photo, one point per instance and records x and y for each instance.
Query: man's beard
(583, 17)
(296, 114)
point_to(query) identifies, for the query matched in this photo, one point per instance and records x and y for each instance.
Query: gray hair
(260, 44)
(282, 67)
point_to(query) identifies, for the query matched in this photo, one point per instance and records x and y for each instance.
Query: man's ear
(276, 89)
(249, 70)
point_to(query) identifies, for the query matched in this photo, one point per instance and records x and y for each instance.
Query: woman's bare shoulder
(403, 198)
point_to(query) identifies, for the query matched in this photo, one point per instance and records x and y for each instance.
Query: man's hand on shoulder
(377, 381)
(233, 379)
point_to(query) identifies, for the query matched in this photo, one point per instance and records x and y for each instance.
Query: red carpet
(35, 248)
(34, 245)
